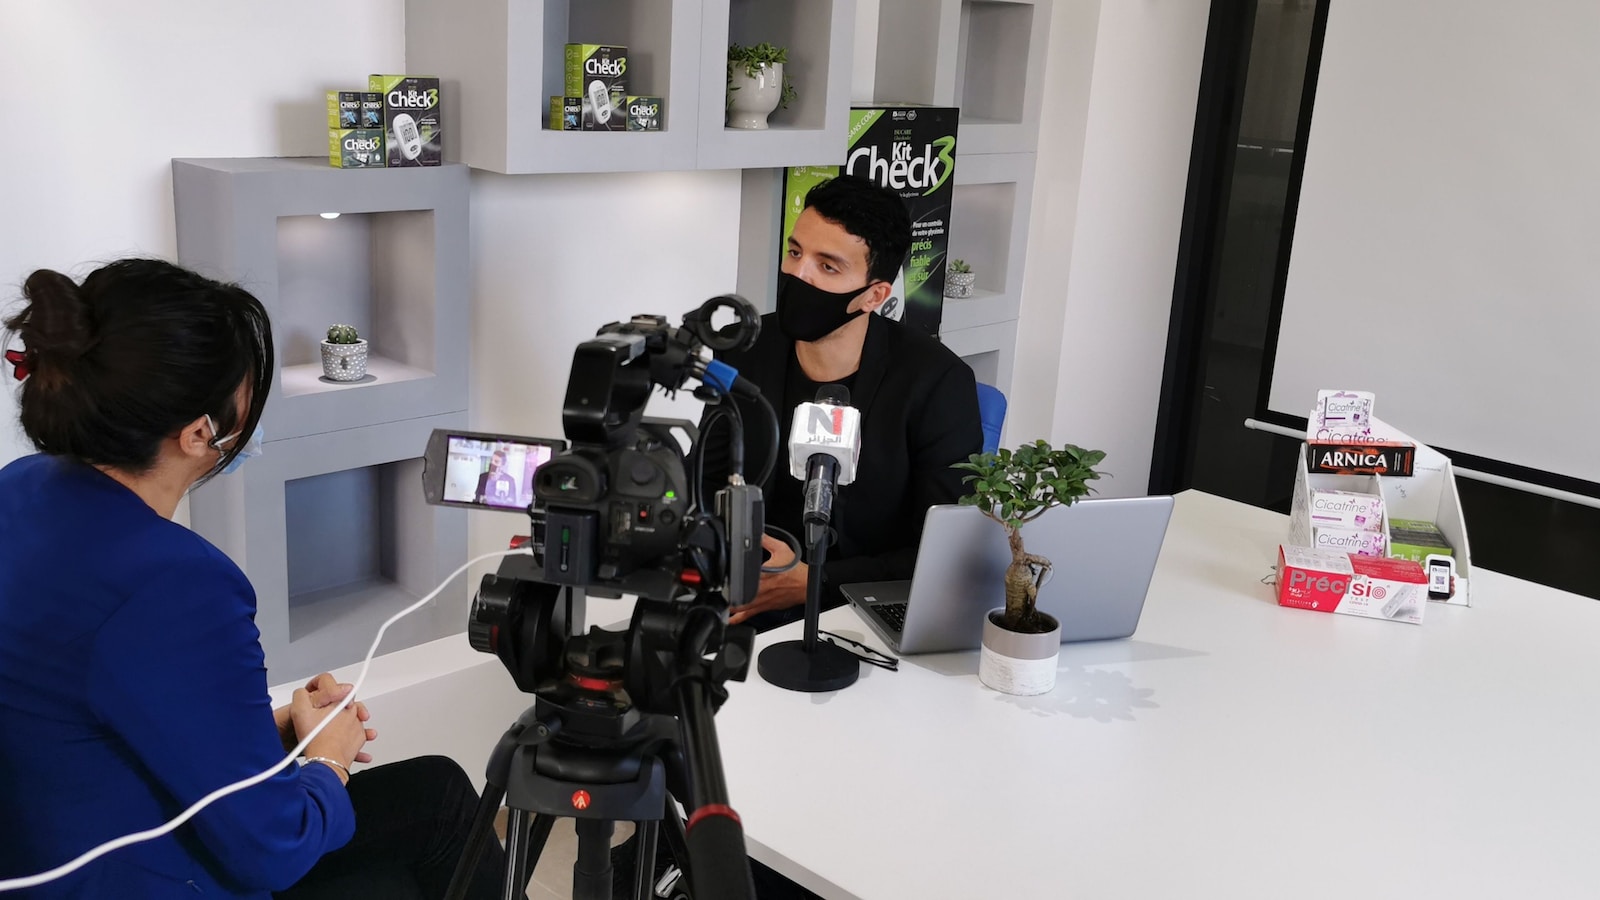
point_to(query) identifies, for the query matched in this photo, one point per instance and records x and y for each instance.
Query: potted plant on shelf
(344, 354)
(958, 279)
(756, 84)
(1020, 643)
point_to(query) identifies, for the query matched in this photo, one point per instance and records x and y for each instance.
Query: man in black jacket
(918, 400)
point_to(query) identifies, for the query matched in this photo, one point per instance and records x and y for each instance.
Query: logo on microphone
(825, 424)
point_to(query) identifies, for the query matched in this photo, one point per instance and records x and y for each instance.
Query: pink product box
(1349, 540)
(1344, 509)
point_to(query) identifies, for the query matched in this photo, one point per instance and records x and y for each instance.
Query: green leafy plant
(960, 267)
(753, 59)
(343, 334)
(1016, 487)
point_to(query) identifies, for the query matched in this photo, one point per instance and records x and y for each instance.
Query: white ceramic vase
(751, 100)
(1015, 663)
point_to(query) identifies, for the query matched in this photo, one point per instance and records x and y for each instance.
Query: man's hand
(325, 691)
(779, 591)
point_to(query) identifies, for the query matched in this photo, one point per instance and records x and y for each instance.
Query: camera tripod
(541, 778)
(586, 750)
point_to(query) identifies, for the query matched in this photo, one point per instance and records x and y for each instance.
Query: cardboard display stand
(1428, 494)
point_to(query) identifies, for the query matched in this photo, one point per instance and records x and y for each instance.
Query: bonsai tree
(1016, 487)
(960, 267)
(343, 334)
(752, 59)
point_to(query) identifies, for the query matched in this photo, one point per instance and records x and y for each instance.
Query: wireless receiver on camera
(824, 448)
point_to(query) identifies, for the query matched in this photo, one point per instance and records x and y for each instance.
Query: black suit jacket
(919, 415)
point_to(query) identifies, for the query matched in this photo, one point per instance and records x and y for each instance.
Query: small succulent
(960, 267)
(343, 334)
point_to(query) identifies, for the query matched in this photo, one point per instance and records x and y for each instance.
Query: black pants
(412, 820)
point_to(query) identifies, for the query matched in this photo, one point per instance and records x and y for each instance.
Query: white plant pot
(1020, 664)
(751, 100)
(344, 362)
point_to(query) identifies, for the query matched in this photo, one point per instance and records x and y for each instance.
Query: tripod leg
(482, 831)
(644, 865)
(591, 874)
(677, 841)
(524, 835)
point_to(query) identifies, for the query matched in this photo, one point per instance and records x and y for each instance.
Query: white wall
(1122, 243)
(101, 96)
(672, 240)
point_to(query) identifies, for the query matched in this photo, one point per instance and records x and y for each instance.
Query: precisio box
(1321, 580)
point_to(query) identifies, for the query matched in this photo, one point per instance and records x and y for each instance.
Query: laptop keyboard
(892, 614)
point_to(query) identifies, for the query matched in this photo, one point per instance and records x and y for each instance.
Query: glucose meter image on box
(406, 136)
(600, 101)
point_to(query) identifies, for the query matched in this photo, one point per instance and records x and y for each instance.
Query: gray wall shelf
(394, 263)
(500, 61)
(330, 525)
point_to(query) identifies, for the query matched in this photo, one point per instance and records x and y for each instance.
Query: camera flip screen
(497, 473)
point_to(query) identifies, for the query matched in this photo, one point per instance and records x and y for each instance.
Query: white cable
(13, 884)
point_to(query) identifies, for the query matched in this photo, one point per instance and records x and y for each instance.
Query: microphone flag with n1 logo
(827, 429)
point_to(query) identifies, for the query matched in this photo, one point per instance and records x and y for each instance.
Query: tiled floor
(552, 878)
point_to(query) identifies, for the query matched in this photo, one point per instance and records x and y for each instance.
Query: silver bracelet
(336, 764)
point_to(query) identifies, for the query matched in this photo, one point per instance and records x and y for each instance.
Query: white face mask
(250, 450)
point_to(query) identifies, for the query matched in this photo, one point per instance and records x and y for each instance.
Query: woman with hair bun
(132, 679)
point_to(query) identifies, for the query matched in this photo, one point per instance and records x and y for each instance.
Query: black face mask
(809, 313)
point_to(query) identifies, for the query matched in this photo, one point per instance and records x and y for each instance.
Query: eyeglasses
(866, 654)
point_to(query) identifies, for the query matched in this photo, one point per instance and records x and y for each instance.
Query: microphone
(824, 450)
(824, 447)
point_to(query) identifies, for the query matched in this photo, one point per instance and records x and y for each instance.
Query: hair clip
(19, 362)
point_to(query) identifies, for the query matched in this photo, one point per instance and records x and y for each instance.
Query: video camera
(621, 511)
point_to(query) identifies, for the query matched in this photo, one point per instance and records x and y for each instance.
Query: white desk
(1230, 749)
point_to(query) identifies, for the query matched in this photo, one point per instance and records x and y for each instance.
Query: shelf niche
(374, 271)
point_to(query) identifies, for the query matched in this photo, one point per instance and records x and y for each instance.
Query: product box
(598, 74)
(355, 148)
(1350, 540)
(1350, 458)
(911, 150)
(412, 127)
(371, 110)
(344, 109)
(566, 113)
(1428, 494)
(1416, 540)
(1346, 509)
(1349, 411)
(1321, 580)
(645, 113)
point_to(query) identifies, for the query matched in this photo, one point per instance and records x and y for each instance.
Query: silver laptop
(1104, 553)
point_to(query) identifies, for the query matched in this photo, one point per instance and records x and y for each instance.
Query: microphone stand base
(826, 667)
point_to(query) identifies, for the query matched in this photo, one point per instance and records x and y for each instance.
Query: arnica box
(598, 74)
(412, 127)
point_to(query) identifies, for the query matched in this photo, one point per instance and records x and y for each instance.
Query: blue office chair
(992, 413)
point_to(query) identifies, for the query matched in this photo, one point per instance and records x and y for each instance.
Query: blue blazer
(132, 683)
